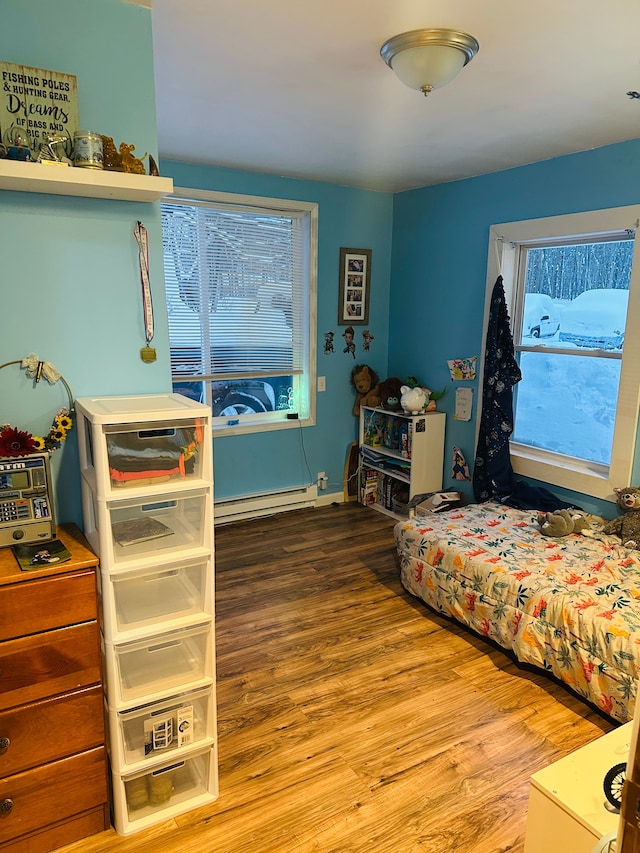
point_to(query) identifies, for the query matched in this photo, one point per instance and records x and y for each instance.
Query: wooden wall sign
(35, 103)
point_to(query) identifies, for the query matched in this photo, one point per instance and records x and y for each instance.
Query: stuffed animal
(562, 522)
(627, 525)
(365, 380)
(390, 394)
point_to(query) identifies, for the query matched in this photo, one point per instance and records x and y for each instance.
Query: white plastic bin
(159, 793)
(162, 731)
(158, 666)
(130, 531)
(155, 598)
(143, 440)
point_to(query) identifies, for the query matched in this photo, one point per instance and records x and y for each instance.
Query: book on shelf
(371, 456)
(39, 555)
(397, 464)
(134, 530)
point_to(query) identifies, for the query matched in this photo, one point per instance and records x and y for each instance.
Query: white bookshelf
(401, 455)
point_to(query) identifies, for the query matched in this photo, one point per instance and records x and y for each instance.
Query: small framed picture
(355, 281)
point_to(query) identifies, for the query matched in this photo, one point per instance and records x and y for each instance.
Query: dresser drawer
(51, 793)
(51, 729)
(33, 668)
(60, 834)
(47, 603)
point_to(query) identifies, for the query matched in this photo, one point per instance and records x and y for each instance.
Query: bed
(569, 606)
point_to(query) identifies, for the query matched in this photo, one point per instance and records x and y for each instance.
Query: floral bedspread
(570, 605)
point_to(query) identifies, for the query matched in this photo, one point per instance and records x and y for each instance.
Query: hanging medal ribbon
(147, 353)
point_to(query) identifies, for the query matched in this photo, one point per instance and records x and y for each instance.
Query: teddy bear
(627, 525)
(365, 380)
(562, 522)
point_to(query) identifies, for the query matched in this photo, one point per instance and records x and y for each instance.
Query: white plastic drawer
(158, 666)
(156, 598)
(144, 441)
(153, 452)
(131, 531)
(161, 731)
(157, 794)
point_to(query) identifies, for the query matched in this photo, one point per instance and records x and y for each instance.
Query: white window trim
(574, 474)
(284, 205)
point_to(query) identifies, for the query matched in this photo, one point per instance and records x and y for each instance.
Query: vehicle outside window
(541, 317)
(596, 319)
(240, 283)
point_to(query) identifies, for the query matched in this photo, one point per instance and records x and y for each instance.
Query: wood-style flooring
(353, 719)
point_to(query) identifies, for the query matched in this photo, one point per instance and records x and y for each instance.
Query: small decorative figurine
(110, 156)
(18, 144)
(50, 150)
(131, 164)
(153, 167)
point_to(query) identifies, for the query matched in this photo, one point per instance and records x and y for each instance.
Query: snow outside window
(573, 292)
(240, 276)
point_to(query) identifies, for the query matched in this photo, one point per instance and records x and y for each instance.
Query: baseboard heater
(266, 503)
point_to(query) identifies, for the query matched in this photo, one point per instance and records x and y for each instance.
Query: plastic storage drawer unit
(126, 532)
(162, 731)
(159, 666)
(151, 439)
(146, 472)
(161, 792)
(156, 598)
(149, 454)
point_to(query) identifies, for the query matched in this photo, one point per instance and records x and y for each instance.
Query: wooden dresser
(53, 774)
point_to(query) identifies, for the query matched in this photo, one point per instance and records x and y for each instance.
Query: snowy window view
(569, 335)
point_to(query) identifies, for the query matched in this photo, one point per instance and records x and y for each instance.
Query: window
(240, 275)
(571, 285)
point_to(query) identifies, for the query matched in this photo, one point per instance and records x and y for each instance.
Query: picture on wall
(355, 279)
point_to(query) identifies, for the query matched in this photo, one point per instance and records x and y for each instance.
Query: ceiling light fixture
(429, 59)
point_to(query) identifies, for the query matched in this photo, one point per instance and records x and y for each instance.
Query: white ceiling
(298, 87)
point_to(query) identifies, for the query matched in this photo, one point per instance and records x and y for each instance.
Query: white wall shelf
(73, 181)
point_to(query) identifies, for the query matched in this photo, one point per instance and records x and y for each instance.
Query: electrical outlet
(322, 480)
(322, 383)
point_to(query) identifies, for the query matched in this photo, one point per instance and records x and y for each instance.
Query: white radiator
(267, 503)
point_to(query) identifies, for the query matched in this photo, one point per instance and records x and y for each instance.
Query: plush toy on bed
(627, 525)
(562, 522)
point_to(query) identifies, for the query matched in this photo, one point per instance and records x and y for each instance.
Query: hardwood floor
(352, 719)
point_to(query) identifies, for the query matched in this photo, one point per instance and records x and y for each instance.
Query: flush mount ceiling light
(429, 59)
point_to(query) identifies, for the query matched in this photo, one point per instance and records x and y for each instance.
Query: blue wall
(70, 283)
(439, 263)
(346, 217)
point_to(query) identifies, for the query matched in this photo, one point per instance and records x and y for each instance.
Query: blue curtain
(493, 477)
(492, 472)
